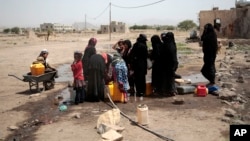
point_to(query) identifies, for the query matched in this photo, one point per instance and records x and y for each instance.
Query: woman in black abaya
(97, 73)
(156, 68)
(209, 48)
(169, 63)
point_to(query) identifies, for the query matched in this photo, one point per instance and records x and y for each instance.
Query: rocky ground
(35, 116)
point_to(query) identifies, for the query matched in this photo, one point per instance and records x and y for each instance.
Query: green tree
(15, 30)
(7, 30)
(186, 25)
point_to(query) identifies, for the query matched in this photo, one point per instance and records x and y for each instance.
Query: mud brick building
(118, 27)
(235, 23)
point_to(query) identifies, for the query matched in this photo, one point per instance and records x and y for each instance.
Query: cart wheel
(49, 84)
(34, 87)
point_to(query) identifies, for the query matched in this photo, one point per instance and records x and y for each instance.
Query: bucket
(142, 114)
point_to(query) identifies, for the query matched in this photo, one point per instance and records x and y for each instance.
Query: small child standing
(79, 83)
(120, 75)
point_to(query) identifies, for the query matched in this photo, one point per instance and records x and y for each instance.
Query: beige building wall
(242, 23)
(116, 27)
(235, 23)
(227, 18)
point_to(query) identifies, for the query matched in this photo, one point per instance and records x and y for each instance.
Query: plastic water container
(142, 114)
(149, 89)
(115, 93)
(185, 89)
(213, 88)
(37, 69)
(201, 90)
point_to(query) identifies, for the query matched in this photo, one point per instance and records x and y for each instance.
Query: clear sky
(31, 13)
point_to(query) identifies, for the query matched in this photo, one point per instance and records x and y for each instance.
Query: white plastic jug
(142, 114)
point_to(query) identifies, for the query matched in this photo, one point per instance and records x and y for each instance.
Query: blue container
(212, 88)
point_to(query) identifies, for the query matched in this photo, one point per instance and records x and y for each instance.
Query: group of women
(128, 66)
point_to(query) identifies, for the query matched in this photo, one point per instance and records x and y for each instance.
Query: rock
(227, 85)
(34, 95)
(248, 60)
(178, 101)
(232, 62)
(237, 122)
(232, 71)
(240, 99)
(70, 84)
(230, 113)
(13, 127)
(231, 57)
(223, 79)
(233, 89)
(226, 119)
(223, 65)
(112, 135)
(76, 115)
(106, 127)
(246, 118)
(240, 79)
(111, 117)
(238, 106)
(228, 95)
(222, 70)
(226, 102)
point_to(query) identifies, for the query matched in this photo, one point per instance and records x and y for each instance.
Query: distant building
(234, 23)
(56, 27)
(118, 27)
(1, 30)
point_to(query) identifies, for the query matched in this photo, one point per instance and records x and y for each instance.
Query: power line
(138, 6)
(100, 13)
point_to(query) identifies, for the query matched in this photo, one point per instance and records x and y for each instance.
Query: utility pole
(85, 28)
(109, 21)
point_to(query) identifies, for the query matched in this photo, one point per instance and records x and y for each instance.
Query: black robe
(155, 57)
(89, 51)
(96, 75)
(169, 64)
(209, 48)
(139, 54)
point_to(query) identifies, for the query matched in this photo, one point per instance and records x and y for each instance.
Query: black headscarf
(209, 39)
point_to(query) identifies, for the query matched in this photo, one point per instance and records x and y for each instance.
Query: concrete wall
(242, 23)
(235, 23)
(227, 18)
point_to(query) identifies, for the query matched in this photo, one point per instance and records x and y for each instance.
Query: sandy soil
(198, 118)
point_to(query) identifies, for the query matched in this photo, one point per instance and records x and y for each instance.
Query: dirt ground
(38, 118)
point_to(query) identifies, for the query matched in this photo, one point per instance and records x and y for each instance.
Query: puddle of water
(65, 74)
(196, 78)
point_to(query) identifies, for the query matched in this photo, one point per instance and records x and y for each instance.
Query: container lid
(142, 106)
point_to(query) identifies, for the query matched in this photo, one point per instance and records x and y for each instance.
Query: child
(120, 73)
(79, 84)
